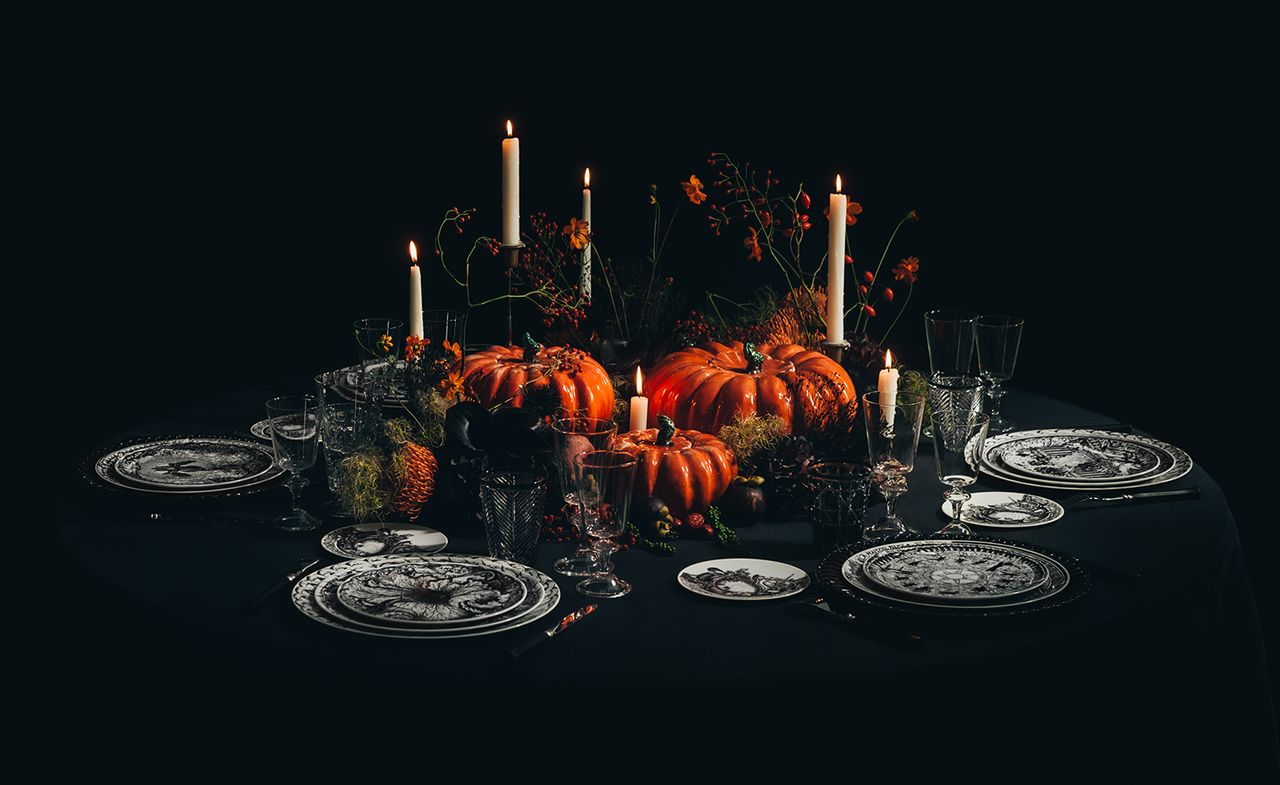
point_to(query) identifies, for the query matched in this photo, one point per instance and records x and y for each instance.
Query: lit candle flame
(639, 382)
(508, 128)
(586, 181)
(413, 251)
(888, 358)
(837, 183)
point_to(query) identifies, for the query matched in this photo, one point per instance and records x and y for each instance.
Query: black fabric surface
(1167, 678)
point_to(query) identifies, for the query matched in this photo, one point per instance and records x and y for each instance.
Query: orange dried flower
(451, 386)
(579, 233)
(752, 244)
(385, 343)
(417, 479)
(452, 350)
(693, 189)
(413, 346)
(907, 269)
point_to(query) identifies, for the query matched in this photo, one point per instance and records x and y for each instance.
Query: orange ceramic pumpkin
(507, 374)
(687, 469)
(710, 386)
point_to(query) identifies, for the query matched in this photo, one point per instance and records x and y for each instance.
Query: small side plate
(1007, 510)
(743, 579)
(383, 539)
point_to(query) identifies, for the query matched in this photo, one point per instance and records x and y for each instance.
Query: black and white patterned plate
(261, 429)
(432, 593)
(1068, 582)
(314, 596)
(191, 463)
(1007, 510)
(187, 463)
(951, 572)
(383, 539)
(349, 385)
(1078, 458)
(743, 579)
(1173, 462)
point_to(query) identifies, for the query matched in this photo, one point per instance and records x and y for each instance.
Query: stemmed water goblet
(378, 345)
(295, 435)
(605, 481)
(958, 436)
(573, 435)
(998, 340)
(893, 434)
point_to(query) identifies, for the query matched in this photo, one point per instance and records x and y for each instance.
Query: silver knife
(286, 580)
(546, 635)
(890, 638)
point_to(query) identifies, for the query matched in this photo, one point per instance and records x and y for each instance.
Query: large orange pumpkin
(507, 374)
(687, 469)
(710, 386)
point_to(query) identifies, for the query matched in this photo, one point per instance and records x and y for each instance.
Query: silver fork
(1081, 498)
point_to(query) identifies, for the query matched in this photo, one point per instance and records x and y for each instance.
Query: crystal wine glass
(893, 433)
(605, 480)
(379, 342)
(950, 337)
(958, 435)
(573, 435)
(998, 341)
(295, 436)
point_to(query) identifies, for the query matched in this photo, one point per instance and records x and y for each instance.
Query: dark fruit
(467, 425)
(516, 431)
(653, 518)
(744, 503)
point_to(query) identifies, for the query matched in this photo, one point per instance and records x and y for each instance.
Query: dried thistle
(751, 435)
(360, 485)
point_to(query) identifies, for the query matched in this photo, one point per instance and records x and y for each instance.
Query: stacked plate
(971, 577)
(349, 385)
(188, 466)
(433, 596)
(1080, 459)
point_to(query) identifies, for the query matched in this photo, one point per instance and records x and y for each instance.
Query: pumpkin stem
(755, 360)
(666, 430)
(531, 348)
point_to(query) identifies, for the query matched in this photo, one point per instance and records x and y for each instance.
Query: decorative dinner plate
(1173, 462)
(953, 572)
(314, 596)
(1007, 510)
(261, 429)
(349, 385)
(187, 465)
(192, 463)
(743, 579)
(1078, 458)
(432, 592)
(382, 539)
(1057, 578)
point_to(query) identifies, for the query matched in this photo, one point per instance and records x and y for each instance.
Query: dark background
(218, 191)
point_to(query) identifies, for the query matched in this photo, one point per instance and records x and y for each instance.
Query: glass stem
(890, 499)
(997, 392)
(605, 548)
(293, 491)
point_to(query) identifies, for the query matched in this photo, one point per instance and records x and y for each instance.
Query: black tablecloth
(1167, 678)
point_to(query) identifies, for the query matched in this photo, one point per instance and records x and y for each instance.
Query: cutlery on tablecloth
(547, 635)
(285, 580)
(891, 638)
(1118, 498)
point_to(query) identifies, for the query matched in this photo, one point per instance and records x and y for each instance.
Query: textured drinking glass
(957, 444)
(439, 324)
(838, 493)
(605, 479)
(511, 503)
(295, 435)
(345, 428)
(893, 433)
(379, 342)
(572, 435)
(950, 338)
(998, 341)
(953, 392)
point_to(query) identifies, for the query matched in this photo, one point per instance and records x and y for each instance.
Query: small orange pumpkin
(507, 374)
(710, 386)
(687, 469)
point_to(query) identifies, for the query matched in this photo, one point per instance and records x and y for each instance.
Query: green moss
(361, 488)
